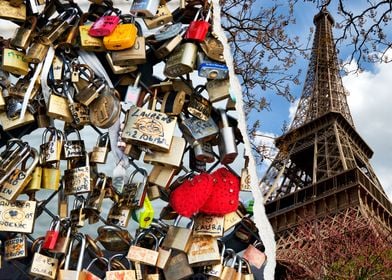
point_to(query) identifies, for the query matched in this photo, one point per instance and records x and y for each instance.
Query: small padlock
(77, 213)
(51, 175)
(105, 25)
(64, 238)
(245, 176)
(203, 251)
(213, 48)
(153, 192)
(12, 12)
(181, 61)
(52, 235)
(144, 255)
(145, 8)
(227, 143)
(145, 214)
(133, 92)
(50, 149)
(214, 271)
(162, 17)
(58, 108)
(228, 269)
(15, 248)
(198, 29)
(43, 266)
(101, 149)
(198, 130)
(135, 192)
(199, 106)
(14, 62)
(95, 198)
(23, 33)
(210, 69)
(119, 215)
(255, 256)
(131, 56)
(208, 225)
(66, 273)
(168, 46)
(77, 176)
(36, 53)
(173, 102)
(162, 175)
(172, 158)
(35, 182)
(62, 203)
(123, 36)
(178, 238)
(218, 90)
(72, 148)
(119, 69)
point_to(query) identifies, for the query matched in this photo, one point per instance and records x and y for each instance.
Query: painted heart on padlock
(190, 196)
(224, 197)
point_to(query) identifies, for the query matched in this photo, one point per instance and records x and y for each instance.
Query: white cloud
(370, 104)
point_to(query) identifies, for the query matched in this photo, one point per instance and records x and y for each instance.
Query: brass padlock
(119, 215)
(111, 274)
(35, 182)
(153, 192)
(203, 251)
(43, 266)
(178, 238)
(66, 273)
(50, 149)
(142, 255)
(58, 108)
(162, 17)
(77, 176)
(181, 61)
(77, 214)
(95, 198)
(119, 69)
(9, 124)
(105, 110)
(19, 179)
(199, 106)
(72, 148)
(172, 158)
(101, 149)
(134, 193)
(18, 216)
(162, 175)
(20, 88)
(15, 248)
(36, 53)
(131, 56)
(208, 225)
(177, 267)
(87, 42)
(168, 46)
(228, 269)
(213, 48)
(215, 271)
(51, 175)
(114, 238)
(23, 33)
(14, 62)
(10, 12)
(218, 89)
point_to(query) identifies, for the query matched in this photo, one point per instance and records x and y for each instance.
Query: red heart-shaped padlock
(224, 197)
(191, 195)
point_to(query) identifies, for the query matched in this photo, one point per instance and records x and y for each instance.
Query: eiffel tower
(322, 169)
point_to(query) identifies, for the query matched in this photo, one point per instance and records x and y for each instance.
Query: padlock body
(198, 129)
(168, 47)
(90, 43)
(9, 124)
(171, 158)
(227, 145)
(162, 17)
(35, 182)
(51, 178)
(197, 30)
(14, 185)
(132, 56)
(36, 52)
(22, 37)
(14, 62)
(123, 37)
(104, 26)
(203, 152)
(181, 61)
(218, 90)
(145, 8)
(15, 248)
(50, 239)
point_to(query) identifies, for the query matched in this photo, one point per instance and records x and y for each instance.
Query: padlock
(52, 234)
(120, 69)
(173, 102)
(199, 130)
(145, 8)
(95, 198)
(198, 29)
(77, 177)
(132, 56)
(20, 177)
(66, 273)
(218, 90)
(178, 238)
(114, 238)
(168, 46)
(58, 25)
(238, 272)
(14, 62)
(9, 124)
(245, 176)
(181, 61)
(133, 92)
(105, 110)
(123, 36)
(162, 17)
(37, 51)
(64, 238)
(255, 256)
(15, 213)
(79, 112)
(164, 255)
(77, 213)
(148, 128)
(199, 106)
(247, 273)
(13, 13)
(203, 152)
(43, 266)
(208, 225)
(168, 31)
(15, 247)
(162, 176)
(58, 108)
(50, 149)
(87, 274)
(213, 48)
(88, 88)
(105, 25)
(153, 192)
(145, 214)
(72, 148)
(210, 69)
(172, 158)
(232, 219)
(214, 271)
(87, 42)
(35, 182)
(22, 36)
(62, 202)
(178, 267)
(119, 215)
(227, 143)
(203, 251)
(51, 175)
(20, 88)
(194, 164)
(134, 193)
(144, 255)
(128, 274)
(101, 149)
(228, 270)
(16, 151)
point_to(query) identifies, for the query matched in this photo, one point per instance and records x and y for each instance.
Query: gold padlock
(10, 12)
(23, 34)
(162, 17)
(9, 124)
(15, 248)
(58, 108)
(101, 149)
(181, 61)
(14, 62)
(203, 251)
(105, 110)
(37, 51)
(35, 182)
(87, 42)
(172, 158)
(132, 56)
(119, 69)
(218, 89)
(51, 175)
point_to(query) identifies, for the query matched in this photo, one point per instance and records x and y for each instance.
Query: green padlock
(144, 215)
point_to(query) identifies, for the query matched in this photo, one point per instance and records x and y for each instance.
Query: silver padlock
(227, 144)
(145, 8)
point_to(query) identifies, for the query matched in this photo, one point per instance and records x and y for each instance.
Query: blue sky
(369, 107)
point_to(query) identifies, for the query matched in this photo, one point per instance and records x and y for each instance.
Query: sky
(369, 100)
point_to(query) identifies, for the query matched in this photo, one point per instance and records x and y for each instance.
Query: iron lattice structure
(322, 169)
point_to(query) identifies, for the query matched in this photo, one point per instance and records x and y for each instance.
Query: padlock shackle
(144, 233)
(94, 260)
(81, 238)
(121, 256)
